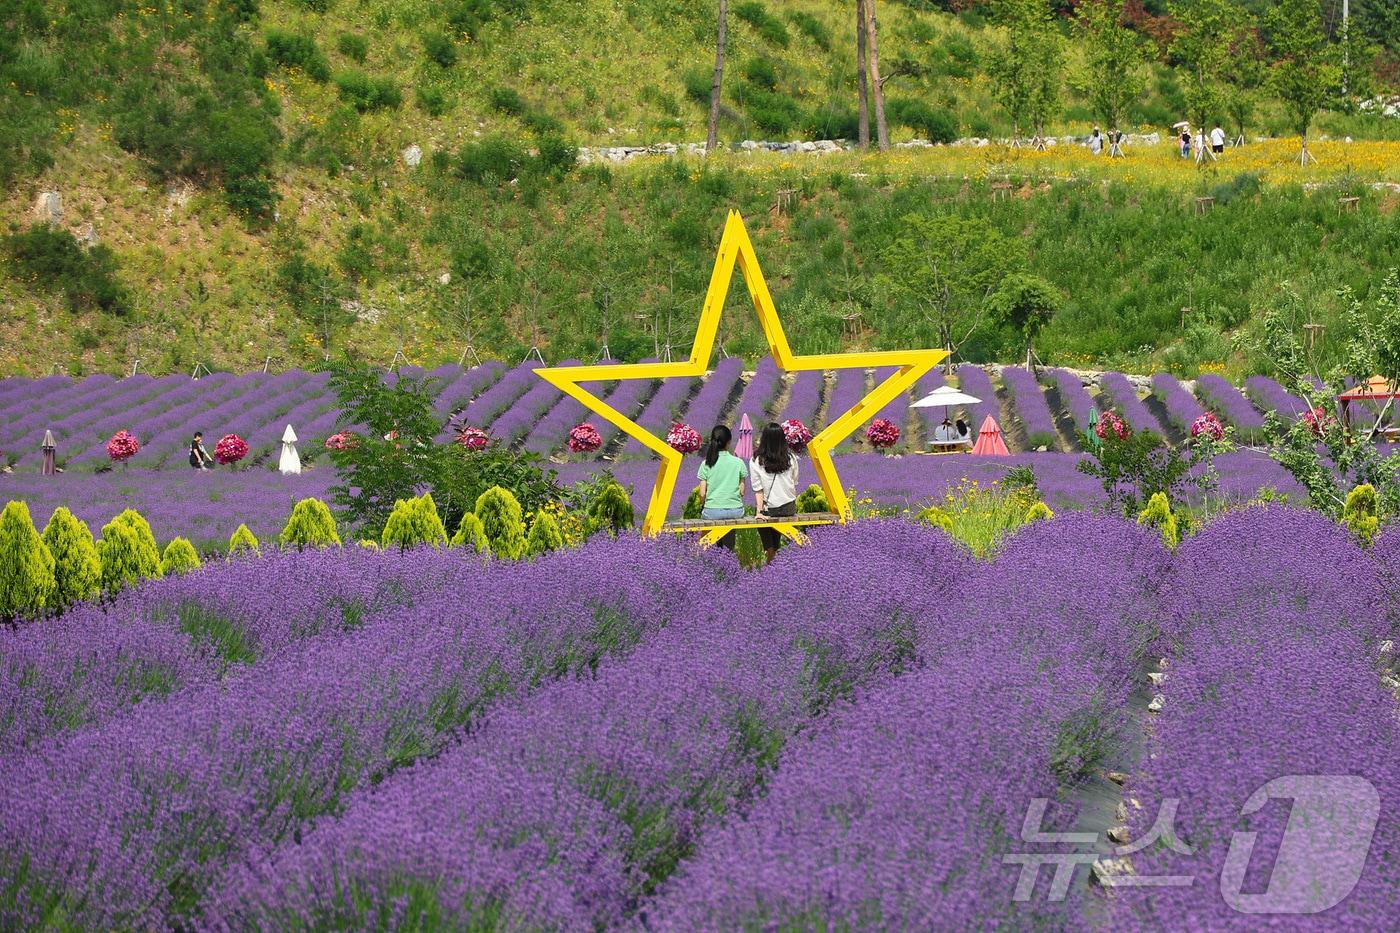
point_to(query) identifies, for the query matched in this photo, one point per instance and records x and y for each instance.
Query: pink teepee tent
(989, 442)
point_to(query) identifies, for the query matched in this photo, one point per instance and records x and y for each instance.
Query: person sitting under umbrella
(945, 433)
(963, 433)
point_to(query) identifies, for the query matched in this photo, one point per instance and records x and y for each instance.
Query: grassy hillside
(239, 164)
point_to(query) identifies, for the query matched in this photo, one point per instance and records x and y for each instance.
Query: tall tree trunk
(712, 137)
(882, 129)
(862, 78)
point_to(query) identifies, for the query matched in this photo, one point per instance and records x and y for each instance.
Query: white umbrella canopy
(290, 461)
(945, 396)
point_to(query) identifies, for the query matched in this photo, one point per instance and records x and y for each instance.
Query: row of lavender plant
(517, 420)
(711, 401)
(846, 392)
(665, 408)
(759, 395)
(804, 401)
(1231, 406)
(130, 824)
(29, 411)
(630, 397)
(1117, 393)
(1270, 396)
(974, 381)
(552, 430)
(563, 811)
(930, 418)
(897, 814)
(1274, 675)
(79, 430)
(485, 408)
(1077, 400)
(1031, 408)
(1182, 407)
(178, 632)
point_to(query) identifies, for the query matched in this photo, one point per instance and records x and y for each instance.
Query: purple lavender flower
(1231, 405)
(1031, 407)
(1181, 406)
(1117, 392)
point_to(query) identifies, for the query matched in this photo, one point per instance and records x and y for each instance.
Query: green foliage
(507, 100)
(980, 517)
(1306, 68)
(769, 28)
(1025, 66)
(126, 554)
(1039, 512)
(440, 49)
(366, 93)
(293, 50)
(1359, 513)
(471, 533)
(431, 100)
(1158, 514)
(557, 156)
(493, 160)
(760, 73)
(468, 17)
(310, 525)
(812, 499)
(413, 523)
(694, 505)
(611, 511)
(242, 541)
(353, 46)
(772, 112)
(1134, 469)
(1202, 46)
(48, 259)
(811, 27)
(933, 124)
(27, 585)
(936, 516)
(502, 523)
(77, 571)
(1113, 76)
(544, 535)
(179, 557)
(1024, 303)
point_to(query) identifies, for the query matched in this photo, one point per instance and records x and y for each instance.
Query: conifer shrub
(179, 557)
(612, 511)
(1359, 513)
(502, 523)
(310, 525)
(1158, 514)
(412, 523)
(1039, 512)
(26, 566)
(243, 542)
(544, 535)
(471, 534)
(126, 556)
(813, 499)
(77, 571)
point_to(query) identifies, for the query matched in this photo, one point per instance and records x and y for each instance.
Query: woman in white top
(773, 472)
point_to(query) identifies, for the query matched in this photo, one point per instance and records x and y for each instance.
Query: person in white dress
(773, 472)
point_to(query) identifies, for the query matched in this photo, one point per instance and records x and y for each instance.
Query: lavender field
(1041, 421)
(638, 735)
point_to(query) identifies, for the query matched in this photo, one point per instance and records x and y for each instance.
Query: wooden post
(882, 127)
(1204, 204)
(712, 135)
(1347, 204)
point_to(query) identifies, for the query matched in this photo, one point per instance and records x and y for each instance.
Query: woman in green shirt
(722, 478)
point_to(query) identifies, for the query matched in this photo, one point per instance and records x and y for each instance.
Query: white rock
(1156, 678)
(48, 207)
(1157, 703)
(412, 156)
(1388, 647)
(445, 278)
(1106, 870)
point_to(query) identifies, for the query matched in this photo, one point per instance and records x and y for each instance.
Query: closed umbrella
(291, 460)
(989, 442)
(50, 448)
(1093, 432)
(744, 448)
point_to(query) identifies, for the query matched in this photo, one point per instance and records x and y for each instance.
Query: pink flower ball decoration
(882, 433)
(1110, 425)
(797, 434)
(584, 438)
(230, 449)
(122, 446)
(473, 438)
(683, 438)
(1208, 425)
(1317, 420)
(342, 441)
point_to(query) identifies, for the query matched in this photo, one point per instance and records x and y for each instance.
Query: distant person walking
(722, 478)
(1200, 143)
(199, 457)
(774, 475)
(1095, 142)
(1217, 140)
(1185, 140)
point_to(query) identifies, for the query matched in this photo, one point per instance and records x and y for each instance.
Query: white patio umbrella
(945, 397)
(291, 460)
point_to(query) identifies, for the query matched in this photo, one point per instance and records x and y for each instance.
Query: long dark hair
(719, 440)
(773, 453)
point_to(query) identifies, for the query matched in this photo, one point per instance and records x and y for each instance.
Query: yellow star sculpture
(736, 247)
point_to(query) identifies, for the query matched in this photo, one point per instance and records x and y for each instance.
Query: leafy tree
(179, 557)
(26, 567)
(242, 541)
(1135, 468)
(412, 523)
(1025, 65)
(544, 535)
(502, 523)
(310, 525)
(1025, 303)
(1202, 46)
(1246, 76)
(1305, 69)
(948, 266)
(1113, 76)
(77, 570)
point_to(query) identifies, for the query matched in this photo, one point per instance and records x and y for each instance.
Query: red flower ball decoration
(1110, 425)
(473, 439)
(683, 438)
(797, 434)
(1208, 425)
(584, 438)
(230, 449)
(882, 433)
(122, 446)
(1317, 420)
(342, 441)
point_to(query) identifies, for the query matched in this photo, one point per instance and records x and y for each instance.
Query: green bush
(127, 555)
(502, 523)
(142, 528)
(612, 511)
(298, 51)
(832, 120)
(697, 83)
(772, 112)
(813, 499)
(494, 159)
(251, 196)
(353, 46)
(541, 123)
(49, 259)
(26, 567)
(812, 28)
(366, 93)
(694, 506)
(470, 533)
(76, 569)
(1359, 513)
(469, 16)
(432, 100)
(507, 100)
(557, 156)
(1039, 511)
(933, 124)
(414, 522)
(179, 557)
(769, 28)
(242, 541)
(315, 6)
(1158, 514)
(760, 73)
(937, 517)
(310, 525)
(544, 535)
(440, 49)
